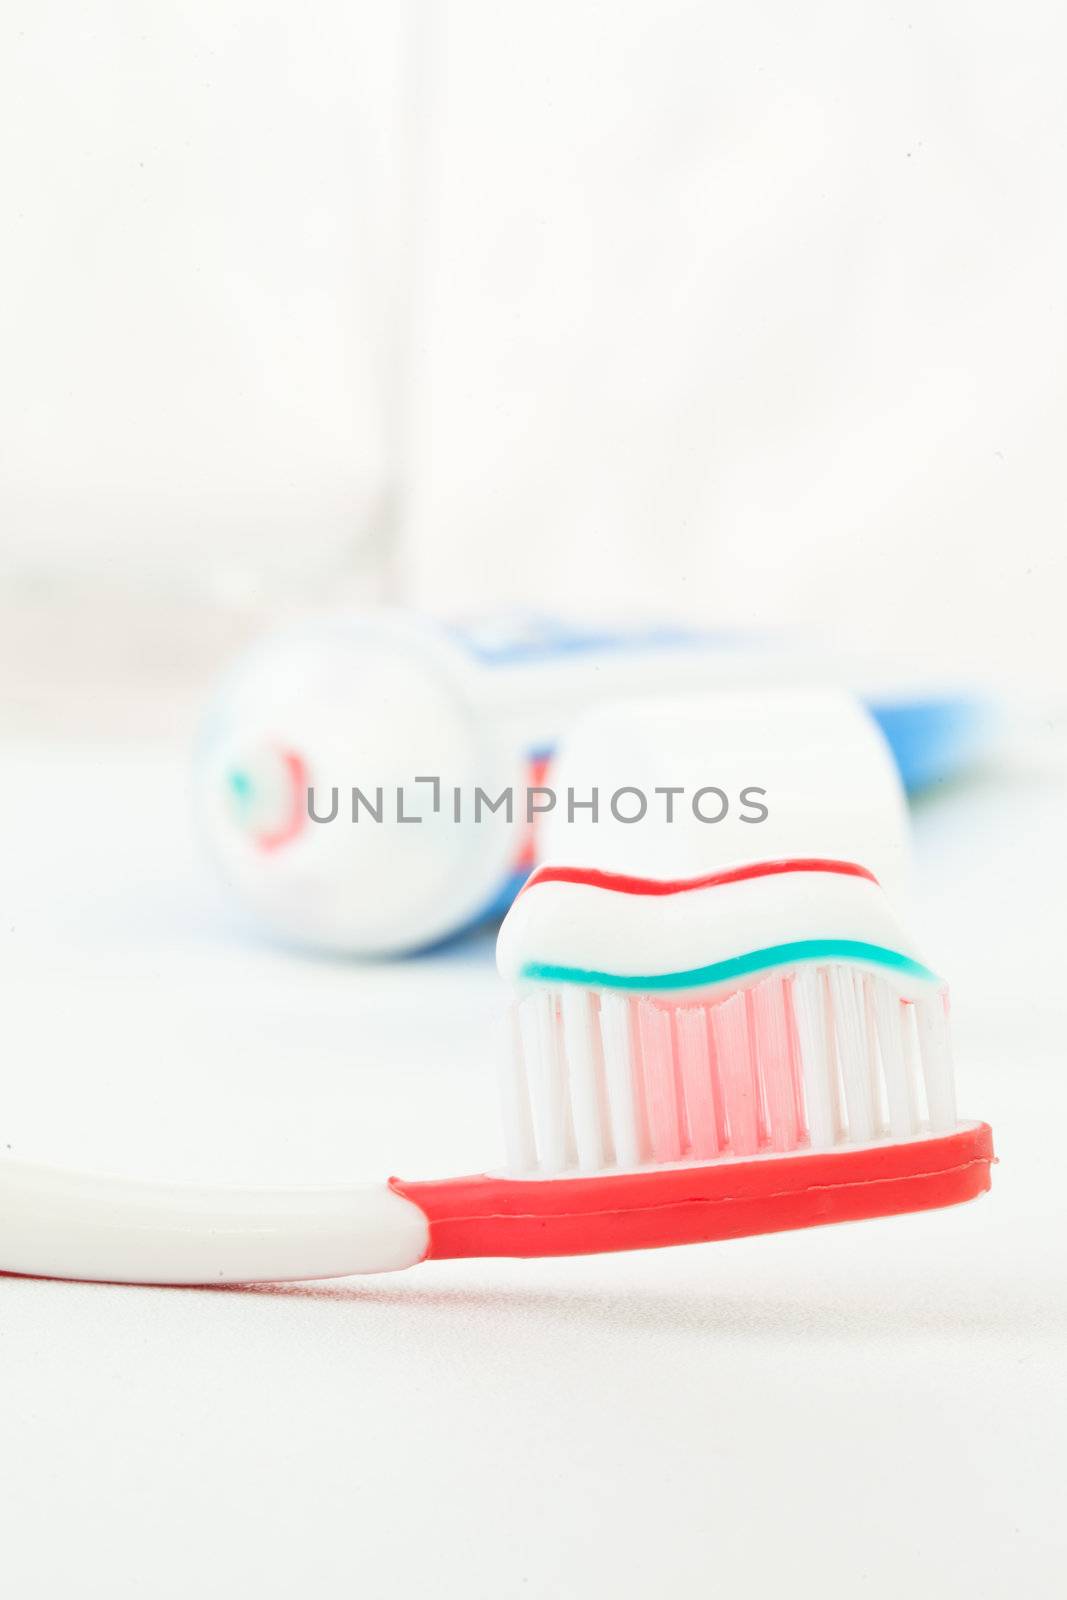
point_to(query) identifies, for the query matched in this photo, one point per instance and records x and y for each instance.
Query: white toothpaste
(617, 932)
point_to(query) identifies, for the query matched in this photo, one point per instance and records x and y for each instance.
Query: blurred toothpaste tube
(372, 784)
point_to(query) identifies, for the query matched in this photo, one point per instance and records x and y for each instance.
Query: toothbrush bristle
(817, 1057)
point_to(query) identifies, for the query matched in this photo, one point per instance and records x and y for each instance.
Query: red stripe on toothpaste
(623, 883)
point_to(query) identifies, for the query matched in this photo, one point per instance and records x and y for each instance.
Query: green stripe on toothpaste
(774, 955)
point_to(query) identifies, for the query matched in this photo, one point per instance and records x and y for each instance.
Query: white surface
(870, 1410)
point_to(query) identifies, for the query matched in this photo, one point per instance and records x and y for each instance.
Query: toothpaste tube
(374, 784)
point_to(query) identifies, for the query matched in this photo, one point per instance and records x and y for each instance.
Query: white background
(748, 313)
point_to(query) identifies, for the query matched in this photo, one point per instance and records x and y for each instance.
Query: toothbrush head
(745, 1053)
(771, 1009)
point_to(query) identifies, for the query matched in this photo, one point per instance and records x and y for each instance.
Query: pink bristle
(775, 1063)
(657, 1069)
(694, 1059)
(729, 1022)
(796, 1063)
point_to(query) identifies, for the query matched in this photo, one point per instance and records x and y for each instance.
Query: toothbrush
(752, 1051)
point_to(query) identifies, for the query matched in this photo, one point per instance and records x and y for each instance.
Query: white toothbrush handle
(68, 1224)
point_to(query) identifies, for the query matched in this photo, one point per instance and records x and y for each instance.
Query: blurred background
(747, 315)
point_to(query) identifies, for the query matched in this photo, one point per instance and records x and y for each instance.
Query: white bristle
(852, 1056)
(515, 1100)
(546, 1076)
(619, 1078)
(899, 1079)
(805, 1060)
(810, 1009)
(909, 1039)
(936, 1058)
(876, 1088)
(581, 1049)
